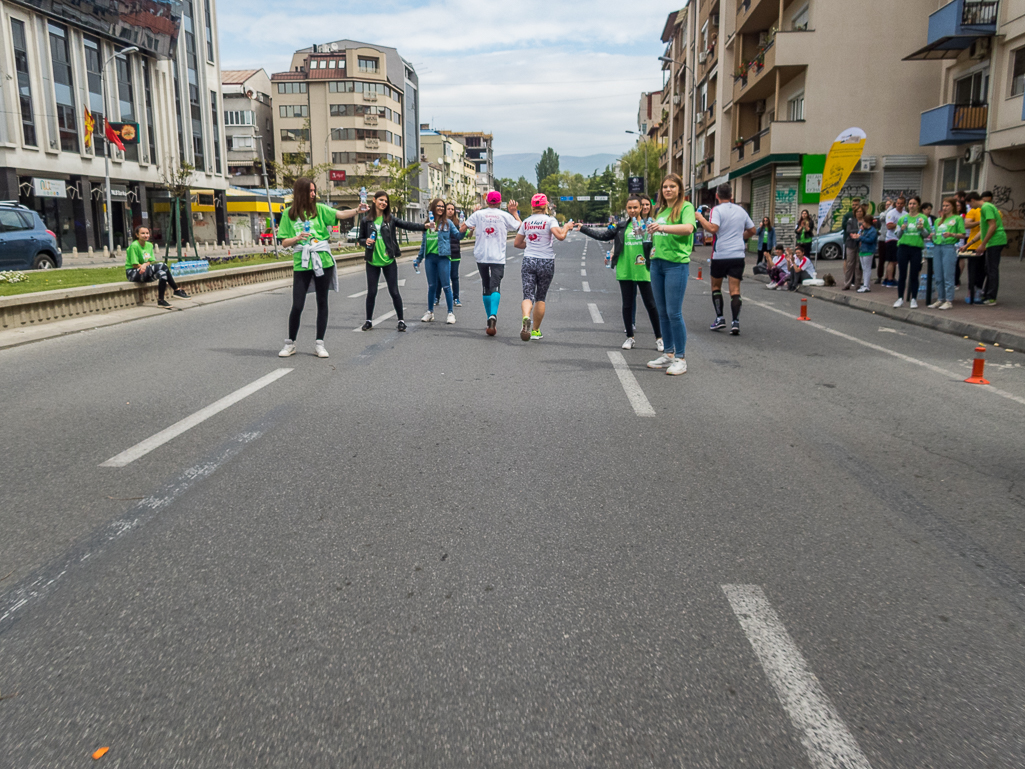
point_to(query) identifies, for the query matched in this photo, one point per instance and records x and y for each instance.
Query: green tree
(565, 184)
(631, 163)
(399, 181)
(548, 165)
(520, 190)
(298, 163)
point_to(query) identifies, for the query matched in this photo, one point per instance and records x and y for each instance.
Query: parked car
(828, 246)
(25, 243)
(352, 235)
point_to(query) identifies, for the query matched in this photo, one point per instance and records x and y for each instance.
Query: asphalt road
(440, 549)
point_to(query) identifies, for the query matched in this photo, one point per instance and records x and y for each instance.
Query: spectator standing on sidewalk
(867, 239)
(976, 273)
(805, 231)
(890, 241)
(992, 240)
(881, 226)
(852, 271)
(947, 233)
(766, 240)
(912, 227)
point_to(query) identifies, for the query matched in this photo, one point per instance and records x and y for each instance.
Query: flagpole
(106, 143)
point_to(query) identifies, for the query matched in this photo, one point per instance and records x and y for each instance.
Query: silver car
(828, 246)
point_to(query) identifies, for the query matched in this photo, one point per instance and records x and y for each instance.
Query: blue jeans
(668, 284)
(439, 272)
(944, 264)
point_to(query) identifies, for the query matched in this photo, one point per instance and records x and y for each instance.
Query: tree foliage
(520, 190)
(631, 163)
(548, 165)
(296, 164)
(399, 181)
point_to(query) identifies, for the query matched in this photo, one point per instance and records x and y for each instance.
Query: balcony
(747, 151)
(753, 15)
(957, 25)
(703, 172)
(750, 82)
(954, 124)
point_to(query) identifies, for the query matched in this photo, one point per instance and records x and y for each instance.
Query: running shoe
(914, 304)
(735, 328)
(428, 317)
(677, 367)
(180, 293)
(947, 306)
(288, 349)
(457, 303)
(629, 343)
(660, 345)
(536, 335)
(864, 290)
(368, 325)
(492, 325)
(989, 302)
(770, 286)
(525, 329)
(319, 351)
(719, 323)
(164, 303)
(662, 361)
(402, 325)
(899, 302)
(451, 318)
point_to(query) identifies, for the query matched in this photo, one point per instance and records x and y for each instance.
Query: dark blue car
(25, 243)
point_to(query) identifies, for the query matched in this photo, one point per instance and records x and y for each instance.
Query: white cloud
(566, 75)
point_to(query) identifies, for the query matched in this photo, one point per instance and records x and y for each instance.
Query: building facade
(460, 173)
(479, 151)
(674, 108)
(346, 105)
(248, 122)
(61, 67)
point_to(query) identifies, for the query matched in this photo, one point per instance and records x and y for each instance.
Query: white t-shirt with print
(537, 230)
(804, 264)
(892, 216)
(729, 240)
(490, 227)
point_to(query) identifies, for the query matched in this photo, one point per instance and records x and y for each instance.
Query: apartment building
(347, 104)
(677, 88)
(62, 66)
(976, 123)
(480, 152)
(459, 172)
(649, 112)
(248, 122)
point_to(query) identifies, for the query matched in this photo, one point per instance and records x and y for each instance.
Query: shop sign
(49, 188)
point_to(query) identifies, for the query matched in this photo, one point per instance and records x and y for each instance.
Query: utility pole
(106, 142)
(266, 188)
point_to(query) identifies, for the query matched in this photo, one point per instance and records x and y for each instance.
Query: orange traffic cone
(804, 310)
(977, 366)
(699, 272)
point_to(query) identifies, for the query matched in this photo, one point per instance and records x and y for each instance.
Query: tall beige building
(459, 172)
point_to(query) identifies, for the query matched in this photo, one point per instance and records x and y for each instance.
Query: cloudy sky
(534, 73)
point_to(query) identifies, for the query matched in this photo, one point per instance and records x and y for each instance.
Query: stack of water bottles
(190, 268)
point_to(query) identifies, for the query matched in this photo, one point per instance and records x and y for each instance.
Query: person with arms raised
(491, 226)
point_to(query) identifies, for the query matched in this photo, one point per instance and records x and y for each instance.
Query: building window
(294, 110)
(209, 33)
(94, 85)
(972, 90)
(192, 69)
(795, 108)
(63, 88)
(147, 88)
(959, 175)
(28, 124)
(217, 132)
(331, 64)
(240, 117)
(1018, 73)
(296, 158)
(800, 22)
(295, 134)
(291, 87)
(368, 65)
(241, 142)
(343, 134)
(342, 110)
(126, 100)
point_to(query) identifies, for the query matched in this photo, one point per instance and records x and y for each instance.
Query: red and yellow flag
(90, 126)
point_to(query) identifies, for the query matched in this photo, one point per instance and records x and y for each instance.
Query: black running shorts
(728, 268)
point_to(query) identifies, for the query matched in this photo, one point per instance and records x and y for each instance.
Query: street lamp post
(106, 142)
(635, 133)
(266, 188)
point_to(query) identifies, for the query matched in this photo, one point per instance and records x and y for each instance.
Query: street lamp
(693, 124)
(106, 142)
(635, 133)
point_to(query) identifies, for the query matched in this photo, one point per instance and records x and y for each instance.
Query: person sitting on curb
(141, 267)
(801, 268)
(778, 269)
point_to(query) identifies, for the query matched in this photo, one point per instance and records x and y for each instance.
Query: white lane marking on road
(595, 313)
(634, 393)
(894, 353)
(823, 733)
(473, 274)
(402, 282)
(587, 287)
(583, 273)
(378, 319)
(143, 448)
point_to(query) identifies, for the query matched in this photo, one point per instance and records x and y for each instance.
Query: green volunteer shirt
(317, 228)
(380, 257)
(915, 229)
(948, 230)
(674, 248)
(432, 242)
(138, 253)
(990, 212)
(631, 264)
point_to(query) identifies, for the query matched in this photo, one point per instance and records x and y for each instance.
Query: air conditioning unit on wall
(973, 154)
(979, 49)
(760, 106)
(702, 58)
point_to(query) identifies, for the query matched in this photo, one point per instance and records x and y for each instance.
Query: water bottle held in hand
(608, 259)
(362, 196)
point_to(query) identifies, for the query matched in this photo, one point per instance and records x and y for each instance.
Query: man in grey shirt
(731, 226)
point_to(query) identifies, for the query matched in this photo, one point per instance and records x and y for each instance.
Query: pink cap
(494, 197)
(539, 201)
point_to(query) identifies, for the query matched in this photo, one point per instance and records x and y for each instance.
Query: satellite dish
(249, 94)
(334, 46)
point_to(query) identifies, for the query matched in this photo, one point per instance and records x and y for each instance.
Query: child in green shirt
(141, 267)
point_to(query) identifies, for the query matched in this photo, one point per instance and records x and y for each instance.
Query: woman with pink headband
(537, 235)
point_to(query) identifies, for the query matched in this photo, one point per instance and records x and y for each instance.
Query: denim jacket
(867, 240)
(770, 240)
(444, 243)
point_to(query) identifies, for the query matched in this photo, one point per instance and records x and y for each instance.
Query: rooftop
(237, 76)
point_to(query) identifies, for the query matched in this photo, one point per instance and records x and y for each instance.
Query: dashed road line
(402, 282)
(583, 273)
(378, 319)
(634, 393)
(587, 287)
(595, 313)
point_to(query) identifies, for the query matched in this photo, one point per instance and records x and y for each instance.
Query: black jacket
(617, 234)
(388, 227)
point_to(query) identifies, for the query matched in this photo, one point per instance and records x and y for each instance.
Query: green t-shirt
(138, 253)
(380, 257)
(915, 229)
(631, 264)
(432, 242)
(948, 231)
(317, 228)
(674, 248)
(990, 212)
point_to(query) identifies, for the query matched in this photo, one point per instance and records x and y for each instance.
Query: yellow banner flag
(843, 157)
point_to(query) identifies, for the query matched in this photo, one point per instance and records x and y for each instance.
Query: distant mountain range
(515, 166)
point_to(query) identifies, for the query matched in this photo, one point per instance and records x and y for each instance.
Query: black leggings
(159, 271)
(391, 277)
(629, 289)
(909, 266)
(300, 286)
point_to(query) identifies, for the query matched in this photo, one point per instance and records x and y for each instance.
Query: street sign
(583, 197)
(336, 176)
(601, 197)
(566, 198)
(635, 184)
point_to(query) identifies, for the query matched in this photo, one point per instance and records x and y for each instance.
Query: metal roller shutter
(901, 181)
(760, 188)
(786, 212)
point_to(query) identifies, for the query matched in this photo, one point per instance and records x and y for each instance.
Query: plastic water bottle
(608, 260)
(362, 196)
(923, 285)
(430, 217)
(416, 266)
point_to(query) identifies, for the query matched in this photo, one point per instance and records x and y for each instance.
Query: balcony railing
(954, 124)
(970, 117)
(955, 26)
(749, 148)
(979, 14)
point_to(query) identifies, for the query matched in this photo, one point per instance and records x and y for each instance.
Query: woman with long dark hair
(435, 249)
(308, 223)
(912, 229)
(766, 240)
(455, 256)
(805, 231)
(377, 237)
(141, 266)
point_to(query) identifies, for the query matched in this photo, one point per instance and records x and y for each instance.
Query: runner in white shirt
(537, 235)
(732, 226)
(490, 226)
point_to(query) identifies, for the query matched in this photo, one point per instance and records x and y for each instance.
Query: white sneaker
(629, 343)
(899, 302)
(770, 286)
(427, 318)
(288, 349)
(863, 289)
(661, 361)
(660, 345)
(318, 349)
(914, 304)
(677, 367)
(451, 318)
(946, 306)
(936, 305)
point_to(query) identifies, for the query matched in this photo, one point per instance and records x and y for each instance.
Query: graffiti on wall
(845, 202)
(1013, 215)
